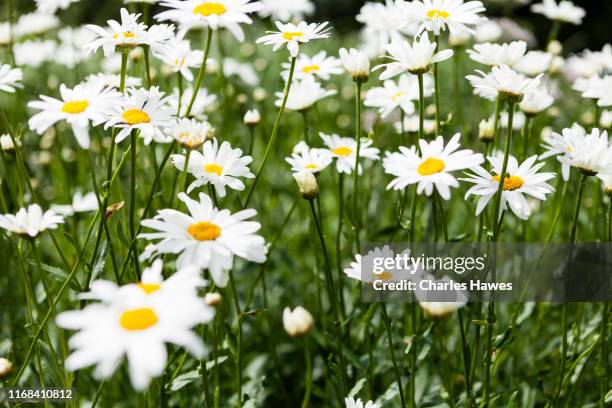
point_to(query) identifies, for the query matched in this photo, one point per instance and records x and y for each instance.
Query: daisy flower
(498, 54)
(304, 94)
(297, 322)
(431, 168)
(559, 144)
(564, 11)
(350, 402)
(35, 23)
(599, 89)
(502, 81)
(51, 6)
(215, 14)
(218, 165)
(438, 15)
(6, 143)
(10, 78)
(415, 58)
(533, 63)
(190, 133)
(606, 180)
(394, 95)
(204, 101)
(344, 150)
(440, 303)
(85, 103)
(30, 222)
(114, 81)
(70, 51)
(356, 63)
(588, 152)
(362, 268)
(384, 22)
(207, 237)
(284, 10)
(33, 53)
(535, 101)
(133, 323)
(179, 56)
(320, 66)
(293, 35)
(128, 34)
(412, 124)
(146, 111)
(307, 159)
(80, 204)
(519, 181)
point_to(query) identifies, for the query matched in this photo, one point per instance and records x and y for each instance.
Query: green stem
(396, 369)
(457, 85)
(557, 212)
(554, 31)
(527, 128)
(502, 177)
(198, 82)
(466, 361)
(421, 107)
(437, 89)
(358, 86)
(239, 336)
(272, 140)
(308, 362)
(147, 66)
(339, 237)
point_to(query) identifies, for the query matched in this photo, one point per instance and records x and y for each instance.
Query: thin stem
(457, 84)
(9, 12)
(357, 218)
(527, 127)
(308, 362)
(147, 66)
(421, 107)
(396, 369)
(557, 212)
(272, 140)
(466, 361)
(239, 336)
(339, 236)
(502, 177)
(554, 31)
(437, 89)
(198, 82)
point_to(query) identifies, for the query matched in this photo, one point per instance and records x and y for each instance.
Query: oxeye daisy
(564, 11)
(519, 181)
(320, 66)
(114, 81)
(438, 304)
(559, 144)
(498, 54)
(10, 78)
(179, 56)
(412, 124)
(51, 6)
(207, 237)
(362, 267)
(33, 53)
(590, 153)
(30, 222)
(432, 167)
(214, 14)
(132, 323)
(535, 101)
(307, 159)
(350, 402)
(220, 166)
(293, 35)
(35, 23)
(284, 10)
(416, 58)
(80, 204)
(304, 94)
(190, 133)
(533, 63)
(145, 111)
(597, 88)
(606, 180)
(344, 150)
(502, 82)
(356, 63)
(128, 33)
(439, 15)
(203, 102)
(394, 95)
(85, 103)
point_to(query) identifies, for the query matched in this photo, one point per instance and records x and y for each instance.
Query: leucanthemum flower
(190, 14)
(564, 11)
(350, 402)
(204, 101)
(128, 33)
(293, 35)
(439, 15)
(520, 180)
(31, 221)
(394, 95)
(606, 181)
(34, 23)
(431, 168)
(81, 203)
(597, 88)
(502, 82)
(179, 56)
(535, 101)
(284, 10)
(220, 166)
(533, 63)
(304, 94)
(559, 144)
(384, 22)
(438, 304)
(362, 267)
(207, 237)
(590, 153)
(33, 53)
(356, 63)
(190, 133)
(344, 150)
(498, 54)
(10, 78)
(145, 111)
(85, 103)
(113, 81)
(412, 124)
(51, 6)
(416, 58)
(320, 66)
(307, 159)
(135, 321)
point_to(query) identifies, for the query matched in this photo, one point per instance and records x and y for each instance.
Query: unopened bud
(252, 117)
(5, 367)
(297, 322)
(213, 299)
(555, 47)
(307, 182)
(486, 130)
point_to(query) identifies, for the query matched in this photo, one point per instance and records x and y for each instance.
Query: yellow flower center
(213, 168)
(385, 276)
(395, 97)
(136, 117)
(311, 68)
(342, 151)
(312, 166)
(74, 107)
(430, 166)
(138, 319)
(511, 183)
(179, 61)
(291, 35)
(204, 231)
(149, 288)
(126, 34)
(209, 8)
(431, 14)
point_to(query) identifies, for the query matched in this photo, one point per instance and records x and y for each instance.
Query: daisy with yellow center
(292, 35)
(222, 166)
(84, 104)
(344, 150)
(207, 238)
(307, 159)
(439, 15)
(320, 66)
(179, 56)
(432, 167)
(398, 95)
(365, 268)
(190, 133)
(520, 180)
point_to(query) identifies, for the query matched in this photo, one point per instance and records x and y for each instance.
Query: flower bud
(555, 47)
(356, 63)
(309, 189)
(252, 117)
(213, 299)
(297, 322)
(7, 143)
(486, 130)
(5, 367)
